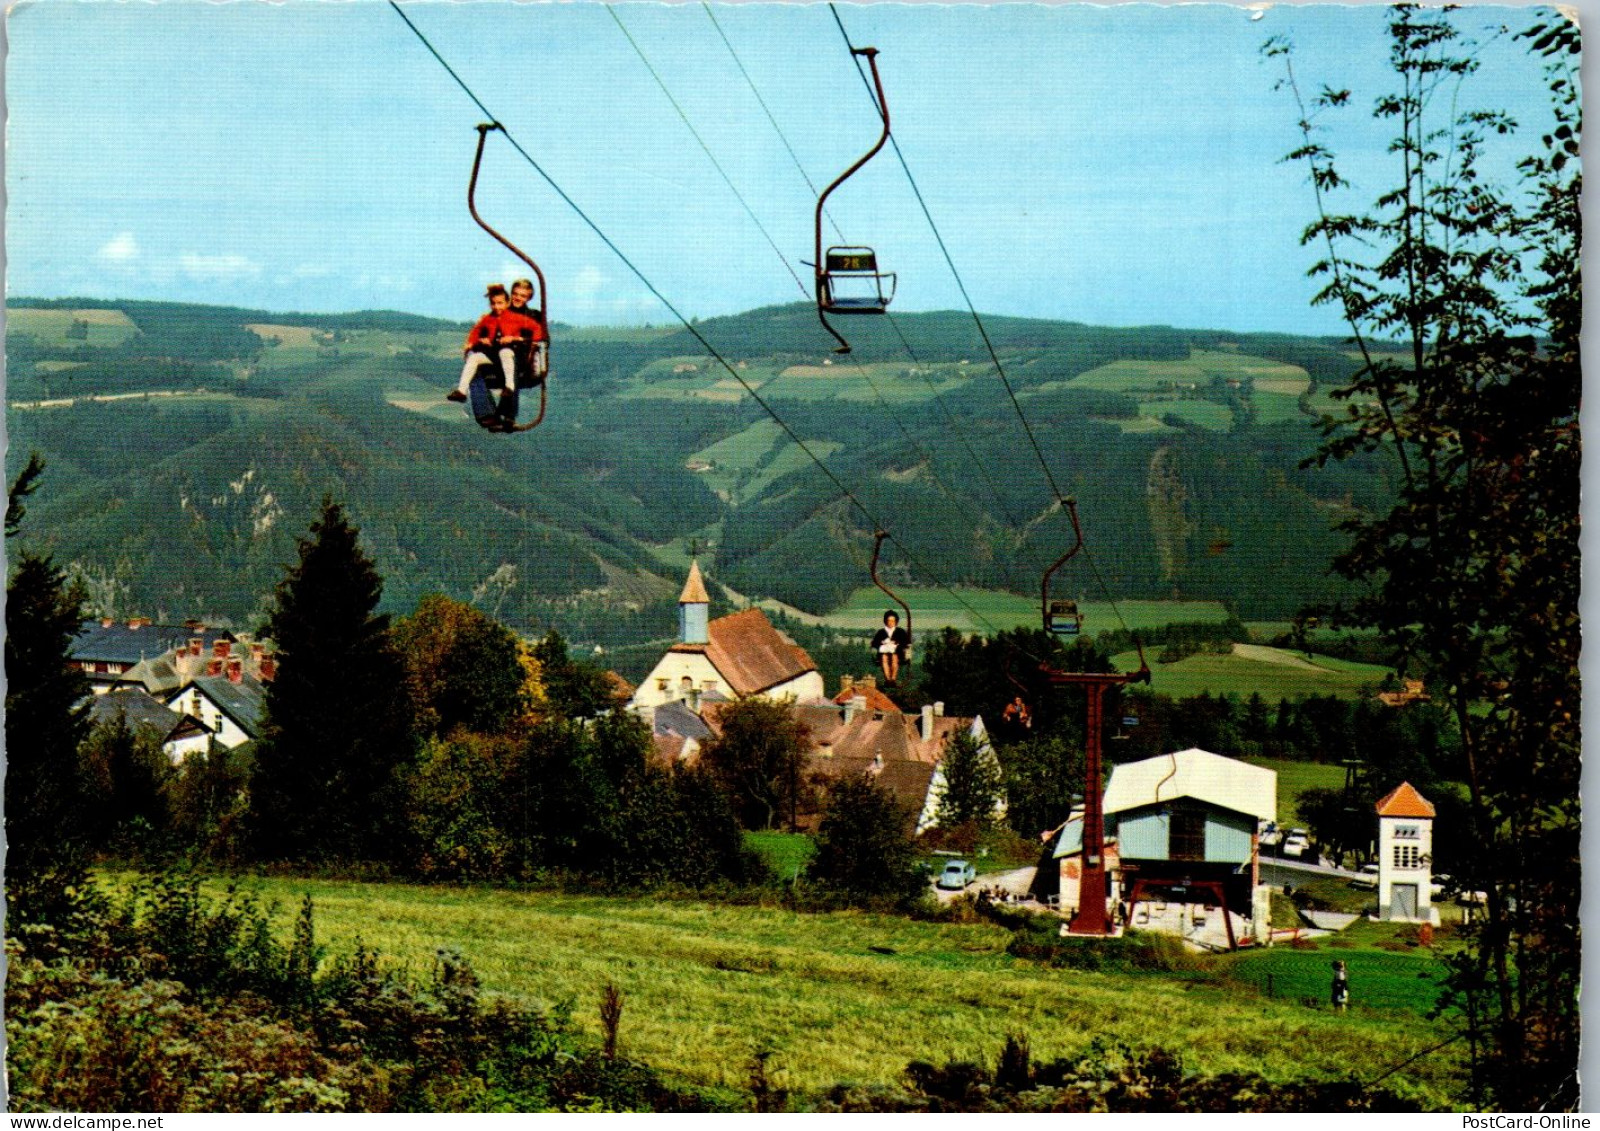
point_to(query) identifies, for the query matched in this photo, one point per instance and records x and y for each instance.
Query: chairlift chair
(850, 282)
(848, 279)
(1062, 618)
(533, 372)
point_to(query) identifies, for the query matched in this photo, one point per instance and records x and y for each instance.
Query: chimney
(221, 648)
(938, 709)
(852, 705)
(195, 645)
(138, 622)
(269, 667)
(256, 650)
(235, 671)
(107, 622)
(927, 723)
(847, 684)
(214, 667)
(867, 683)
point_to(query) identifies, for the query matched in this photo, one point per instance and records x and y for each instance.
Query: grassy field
(845, 995)
(934, 609)
(1250, 668)
(104, 327)
(1294, 778)
(1388, 970)
(749, 461)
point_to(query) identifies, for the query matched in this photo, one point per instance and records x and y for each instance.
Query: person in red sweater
(528, 351)
(492, 339)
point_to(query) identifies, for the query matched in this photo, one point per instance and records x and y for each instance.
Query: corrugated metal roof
(1224, 782)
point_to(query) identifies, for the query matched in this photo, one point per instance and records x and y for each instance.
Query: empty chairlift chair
(850, 282)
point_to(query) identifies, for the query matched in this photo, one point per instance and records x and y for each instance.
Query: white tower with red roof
(1405, 856)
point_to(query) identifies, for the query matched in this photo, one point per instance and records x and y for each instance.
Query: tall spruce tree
(1473, 572)
(46, 720)
(338, 723)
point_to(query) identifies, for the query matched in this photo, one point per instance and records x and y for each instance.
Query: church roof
(1404, 801)
(694, 589)
(751, 655)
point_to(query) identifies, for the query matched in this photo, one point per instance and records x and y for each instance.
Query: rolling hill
(189, 447)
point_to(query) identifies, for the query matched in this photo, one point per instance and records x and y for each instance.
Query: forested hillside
(188, 447)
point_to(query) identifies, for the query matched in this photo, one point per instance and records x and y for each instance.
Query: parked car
(1441, 886)
(957, 875)
(1367, 879)
(1296, 843)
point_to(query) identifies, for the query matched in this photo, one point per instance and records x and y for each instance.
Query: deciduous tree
(1475, 270)
(864, 844)
(756, 756)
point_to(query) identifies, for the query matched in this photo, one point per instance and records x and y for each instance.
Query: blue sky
(1114, 165)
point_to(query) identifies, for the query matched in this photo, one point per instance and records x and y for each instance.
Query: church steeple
(694, 609)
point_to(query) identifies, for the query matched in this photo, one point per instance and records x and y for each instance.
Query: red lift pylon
(1091, 918)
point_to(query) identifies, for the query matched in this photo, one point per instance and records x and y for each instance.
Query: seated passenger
(528, 351)
(492, 340)
(891, 643)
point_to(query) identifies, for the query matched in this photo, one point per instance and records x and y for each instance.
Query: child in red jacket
(491, 340)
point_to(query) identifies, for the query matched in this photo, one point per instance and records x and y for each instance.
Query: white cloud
(121, 248)
(218, 268)
(588, 283)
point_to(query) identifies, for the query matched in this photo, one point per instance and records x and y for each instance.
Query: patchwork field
(743, 465)
(97, 327)
(846, 995)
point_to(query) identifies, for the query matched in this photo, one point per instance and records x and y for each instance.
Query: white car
(1296, 843)
(1367, 879)
(957, 875)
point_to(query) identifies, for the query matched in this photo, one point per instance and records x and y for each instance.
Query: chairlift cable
(1061, 498)
(689, 326)
(766, 110)
(895, 325)
(706, 149)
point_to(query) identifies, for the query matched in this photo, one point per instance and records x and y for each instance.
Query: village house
(105, 650)
(179, 734)
(730, 657)
(1182, 850)
(1411, 691)
(863, 732)
(228, 700)
(169, 672)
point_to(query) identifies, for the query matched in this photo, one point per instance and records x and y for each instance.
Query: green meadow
(852, 995)
(1274, 673)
